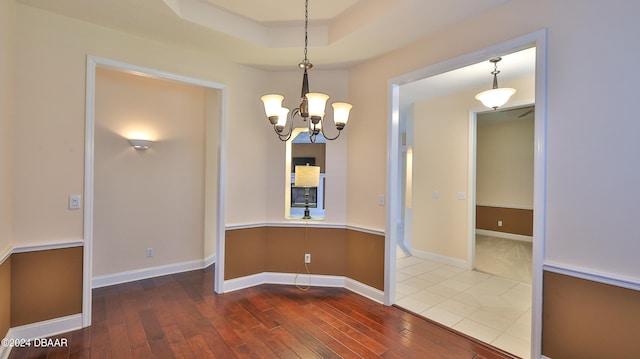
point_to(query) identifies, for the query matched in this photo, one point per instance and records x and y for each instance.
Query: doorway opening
(442, 184)
(213, 180)
(504, 163)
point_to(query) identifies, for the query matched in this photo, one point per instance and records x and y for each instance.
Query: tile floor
(489, 307)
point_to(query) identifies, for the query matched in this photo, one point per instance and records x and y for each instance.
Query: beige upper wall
(504, 163)
(335, 84)
(50, 103)
(7, 36)
(153, 198)
(592, 129)
(440, 163)
(590, 148)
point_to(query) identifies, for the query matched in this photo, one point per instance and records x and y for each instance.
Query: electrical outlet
(307, 258)
(149, 252)
(499, 223)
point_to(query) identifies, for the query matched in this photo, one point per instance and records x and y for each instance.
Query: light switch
(381, 200)
(75, 201)
(462, 195)
(435, 194)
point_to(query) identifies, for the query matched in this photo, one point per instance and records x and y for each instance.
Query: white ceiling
(512, 66)
(270, 33)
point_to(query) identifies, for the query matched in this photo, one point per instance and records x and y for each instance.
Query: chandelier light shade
(317, 103)
(341, 113)
(283, 112)
(495, 97)
(312, 104)
(272, 106)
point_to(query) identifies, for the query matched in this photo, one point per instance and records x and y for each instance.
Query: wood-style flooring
(180, 316)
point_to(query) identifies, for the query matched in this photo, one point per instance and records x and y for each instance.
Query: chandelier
(495, 97)
(312, 106)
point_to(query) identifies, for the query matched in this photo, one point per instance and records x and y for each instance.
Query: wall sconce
(307, 177)
(140, 145)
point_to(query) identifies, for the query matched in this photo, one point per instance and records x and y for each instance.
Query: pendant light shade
(495, 97)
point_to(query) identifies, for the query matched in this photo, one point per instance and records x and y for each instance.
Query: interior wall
(5, 296)
(504, 162)
(153, 198)
(334, 251)
(589, 147)
(50, 56)
(440, 169)
(584, 319)
(45, 285)
(335, 84)
(7, 36)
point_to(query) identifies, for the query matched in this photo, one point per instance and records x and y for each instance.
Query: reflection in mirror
(304, 152)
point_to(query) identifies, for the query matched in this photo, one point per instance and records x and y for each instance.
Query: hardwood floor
(180, 316)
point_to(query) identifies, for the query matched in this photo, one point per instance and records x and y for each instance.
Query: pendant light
(495, 97)
(312, 105)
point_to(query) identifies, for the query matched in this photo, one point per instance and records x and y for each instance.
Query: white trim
(45, 246)
(208, 261)
(393, 211)
(92, 63)
(366, 230)
(539, 40)
(515, 237)
(87, 262)
(35, 247)
(456, 262)
(544, 357)
(507, 206)
(364, 290)
(471, 188)
(539, 188)
(300, 223)
(6, 253)
(5, 350)
(42, 329)
(218, 281)
(591, 275)
(304, 280)
(144, 273)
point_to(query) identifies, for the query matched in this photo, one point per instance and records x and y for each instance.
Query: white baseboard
(304, 280)
(42, 329)
(515, 237)
(4, 351)
(209, 260)
(460, 263)
(144, 273)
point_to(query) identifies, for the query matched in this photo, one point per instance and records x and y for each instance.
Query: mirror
(302, 152)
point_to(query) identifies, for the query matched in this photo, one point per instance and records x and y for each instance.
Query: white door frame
(92, 63)
(537, 39)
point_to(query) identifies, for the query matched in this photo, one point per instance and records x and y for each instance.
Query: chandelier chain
(306, 27)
